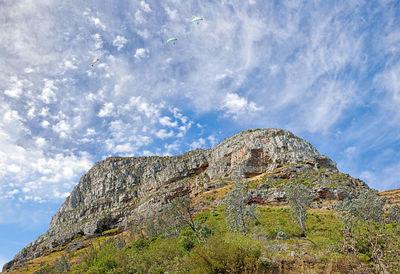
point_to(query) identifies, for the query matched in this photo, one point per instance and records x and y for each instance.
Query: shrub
(238, 213)
(366, 233)
(280, 234)
(394, 213)
(101, 259)
(231, 253)
(299, 198)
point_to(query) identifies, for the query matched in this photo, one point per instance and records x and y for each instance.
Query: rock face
(120, 191)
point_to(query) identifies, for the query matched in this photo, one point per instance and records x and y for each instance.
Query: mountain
(119, 192)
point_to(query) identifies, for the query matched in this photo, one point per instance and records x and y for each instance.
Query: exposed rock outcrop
(119, 191)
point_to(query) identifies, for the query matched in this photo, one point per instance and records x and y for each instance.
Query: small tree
(363, 222)
(180, 213)
(394, 214)
(238, 213)
(299, 198)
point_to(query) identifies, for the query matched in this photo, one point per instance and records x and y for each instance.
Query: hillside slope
(122, 191)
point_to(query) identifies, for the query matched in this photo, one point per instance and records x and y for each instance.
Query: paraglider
(95, 60)
(197, 19)
(172, 40)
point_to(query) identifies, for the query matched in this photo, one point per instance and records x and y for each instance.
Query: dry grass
(392, 196)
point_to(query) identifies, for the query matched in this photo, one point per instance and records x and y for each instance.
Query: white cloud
(31, 112)
(166, 121)
(140, 104)
(384, 178)
(59, 195)
(141, 53)
(107, 110)
(200, 143)
(45, 124)
(63, 128)
(69, 64)
(389, 81)
(11, 116)
(139, 17)
(327, 106)
(36, 174)
(40, 142)
(144, 33)
(119, 42)
(163, 134)
(350, 152)
(280, 64)
(98, 41)
(234, 105)
(172, 13)
(147, 153)
(29, 70)
(127, 149)
(15, 89)
(172, 148)
(13, 192)
(123, 148)
(48, 92)
(145, 6)
(13, 168)
(213, 140)
(97, 22)
(90, 132)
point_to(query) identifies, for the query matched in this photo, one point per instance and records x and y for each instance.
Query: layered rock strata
(120, 191)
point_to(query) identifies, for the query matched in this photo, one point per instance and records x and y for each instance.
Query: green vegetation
(272, 244)
(300, 198)
(186, 241)
(238, 213)
(280, 177)
(368, 235)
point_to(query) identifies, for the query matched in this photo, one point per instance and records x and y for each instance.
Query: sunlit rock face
(122, 191)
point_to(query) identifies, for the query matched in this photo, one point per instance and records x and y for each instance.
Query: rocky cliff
(121, 191)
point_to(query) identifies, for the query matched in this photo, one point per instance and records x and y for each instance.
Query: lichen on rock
(119, 191)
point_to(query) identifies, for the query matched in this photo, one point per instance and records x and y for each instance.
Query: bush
(238, 213)
(299, 198)
(160, 256)
(394, 214)
(280, 234)
(101, 259)
(231, 253)
(366, 233)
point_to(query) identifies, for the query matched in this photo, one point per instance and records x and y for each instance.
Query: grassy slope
(392, 196)
(319, 253)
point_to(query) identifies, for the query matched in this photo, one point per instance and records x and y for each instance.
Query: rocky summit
(122, 191)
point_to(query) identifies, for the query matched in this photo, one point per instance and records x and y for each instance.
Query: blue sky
(326, 70)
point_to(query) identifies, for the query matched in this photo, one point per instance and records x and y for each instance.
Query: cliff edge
(121, 191)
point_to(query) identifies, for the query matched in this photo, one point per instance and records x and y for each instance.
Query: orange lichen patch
(210, 199)
(255, 178)
(240, 155)
(261, 177)
(218, 192)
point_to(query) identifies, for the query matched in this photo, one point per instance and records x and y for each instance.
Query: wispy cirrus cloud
(325, 70)
(246, 59)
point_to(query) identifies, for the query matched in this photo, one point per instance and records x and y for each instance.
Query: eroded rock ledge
(119, 191)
